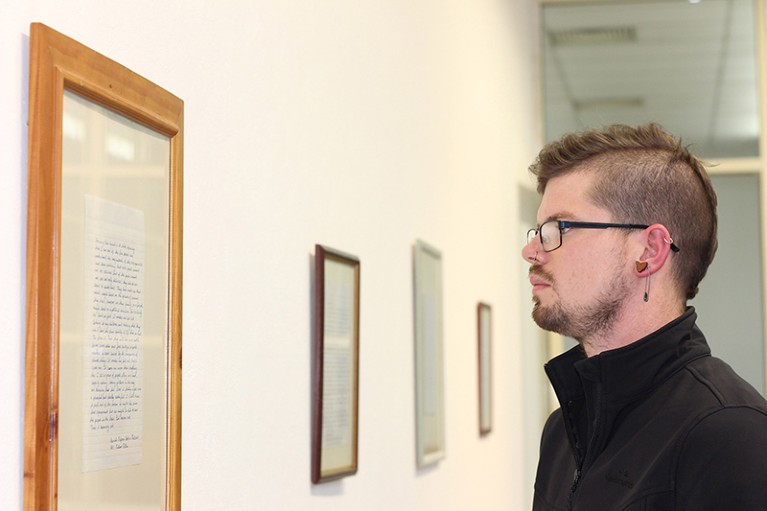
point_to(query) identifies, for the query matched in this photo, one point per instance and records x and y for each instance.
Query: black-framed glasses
(550, 232)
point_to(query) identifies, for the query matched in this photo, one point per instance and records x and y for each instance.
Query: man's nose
(531, 250)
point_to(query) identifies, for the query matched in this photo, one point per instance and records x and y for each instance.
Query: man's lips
(538, 279)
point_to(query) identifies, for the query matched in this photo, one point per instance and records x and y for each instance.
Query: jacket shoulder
(721, 461)
(724, 384)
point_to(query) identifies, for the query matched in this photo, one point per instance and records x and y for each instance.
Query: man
(649, 420)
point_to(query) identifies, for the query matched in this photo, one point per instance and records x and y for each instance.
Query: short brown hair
(644, 176)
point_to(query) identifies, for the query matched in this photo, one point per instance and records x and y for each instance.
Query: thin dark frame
(566, 224)
(485, 372)
(322, 255)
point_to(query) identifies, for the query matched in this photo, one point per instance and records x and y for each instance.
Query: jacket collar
(625, 374)
(593, 391)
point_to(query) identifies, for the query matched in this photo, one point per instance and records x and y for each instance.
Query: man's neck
(636, 321)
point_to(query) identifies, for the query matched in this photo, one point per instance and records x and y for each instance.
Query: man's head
(643, 175)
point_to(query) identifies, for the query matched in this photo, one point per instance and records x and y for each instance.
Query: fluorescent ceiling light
(608, 103)
(592, 35)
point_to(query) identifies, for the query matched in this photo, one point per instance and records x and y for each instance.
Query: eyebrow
(558, 216)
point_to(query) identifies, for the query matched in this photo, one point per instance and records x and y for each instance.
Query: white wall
(359, 125)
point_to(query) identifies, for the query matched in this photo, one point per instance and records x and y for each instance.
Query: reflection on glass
(113, 321)
(689, 66)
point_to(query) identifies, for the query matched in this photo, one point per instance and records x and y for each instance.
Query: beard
(582, 320)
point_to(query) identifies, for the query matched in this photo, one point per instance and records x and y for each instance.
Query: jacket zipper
(575, 442)
(573, 487)
(584, 461)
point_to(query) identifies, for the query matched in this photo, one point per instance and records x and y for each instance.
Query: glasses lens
(531, 234)
(551, 235)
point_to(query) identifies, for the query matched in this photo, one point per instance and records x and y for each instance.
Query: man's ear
(656, 246)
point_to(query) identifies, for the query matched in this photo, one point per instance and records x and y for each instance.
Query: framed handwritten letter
(484, 340)
(336, 364)
(103, 350)
(429, 379)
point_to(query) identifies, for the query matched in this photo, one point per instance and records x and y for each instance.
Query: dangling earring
(643, 266)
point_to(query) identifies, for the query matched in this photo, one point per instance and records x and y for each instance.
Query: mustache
(540, 272)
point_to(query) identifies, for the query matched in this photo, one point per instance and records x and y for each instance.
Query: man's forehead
(568, 197)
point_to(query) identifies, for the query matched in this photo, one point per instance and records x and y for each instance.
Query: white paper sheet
(338, 414)
(113, 370)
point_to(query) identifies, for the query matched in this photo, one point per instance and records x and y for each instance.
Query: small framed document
(336, 364)
(102, 416)
(484, 341)
(429, 378)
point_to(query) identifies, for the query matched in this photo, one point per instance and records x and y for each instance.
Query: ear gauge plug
(643, 266)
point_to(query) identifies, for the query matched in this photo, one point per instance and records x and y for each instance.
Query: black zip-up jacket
(657, 425)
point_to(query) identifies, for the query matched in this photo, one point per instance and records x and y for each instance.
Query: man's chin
(540, 315)
(549, 319)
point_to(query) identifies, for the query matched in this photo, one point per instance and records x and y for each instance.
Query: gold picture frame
(104, 283)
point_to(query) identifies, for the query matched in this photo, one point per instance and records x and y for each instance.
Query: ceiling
(689, 66)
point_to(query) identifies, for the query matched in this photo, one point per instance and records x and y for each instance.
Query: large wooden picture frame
(336, 364)
(429, 372)
(104, 279)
